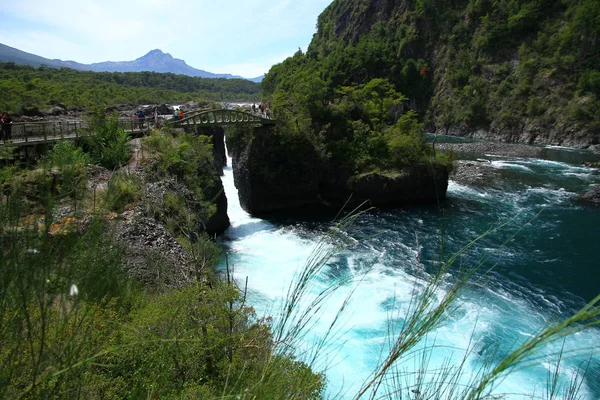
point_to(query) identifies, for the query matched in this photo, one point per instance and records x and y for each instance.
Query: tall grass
(413, 340)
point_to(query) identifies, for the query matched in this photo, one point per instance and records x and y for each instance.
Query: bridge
(31, 133)
(220, 117)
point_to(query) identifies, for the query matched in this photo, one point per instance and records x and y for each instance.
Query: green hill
(23, 86)
(526, 71)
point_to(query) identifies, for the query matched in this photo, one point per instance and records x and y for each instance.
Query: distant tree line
(25, 86)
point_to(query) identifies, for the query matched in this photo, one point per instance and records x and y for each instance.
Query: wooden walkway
(31, 133)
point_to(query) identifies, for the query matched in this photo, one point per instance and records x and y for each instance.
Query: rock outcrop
(591, 197)
(272, 176)
(420, 183)
(286, 175)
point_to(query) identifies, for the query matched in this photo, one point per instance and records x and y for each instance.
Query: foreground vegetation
(26, 86)
(77, 322)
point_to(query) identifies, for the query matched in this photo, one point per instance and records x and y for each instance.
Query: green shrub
(7, 173)
(177, 218)
(108, 142)
(65, 153)
(197, 340)
(406, 141)
(50, 337)
(157, 140)
(122, 189)
(589, 82)
(71, 162)
(404, 150)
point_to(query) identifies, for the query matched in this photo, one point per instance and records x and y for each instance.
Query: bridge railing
(25, 132)
(214, 117)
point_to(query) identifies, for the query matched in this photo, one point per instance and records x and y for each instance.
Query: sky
(240, 37)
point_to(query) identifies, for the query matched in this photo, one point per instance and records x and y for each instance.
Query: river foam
(391, 258)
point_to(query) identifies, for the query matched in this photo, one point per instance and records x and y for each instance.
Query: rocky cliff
(283, 174)
(520, 71)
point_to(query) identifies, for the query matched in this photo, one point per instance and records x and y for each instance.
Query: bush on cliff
(189, 159)
(358, 129)
(108, 142)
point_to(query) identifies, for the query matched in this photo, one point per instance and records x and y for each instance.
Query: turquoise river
(547, 271)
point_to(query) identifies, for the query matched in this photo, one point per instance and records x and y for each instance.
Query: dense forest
(514, 70)
(24, 86)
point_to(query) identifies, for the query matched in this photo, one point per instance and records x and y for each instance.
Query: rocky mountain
(10, 54)
(154, 61)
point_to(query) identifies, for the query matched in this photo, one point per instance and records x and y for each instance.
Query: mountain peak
(155, 60)
(157, 53)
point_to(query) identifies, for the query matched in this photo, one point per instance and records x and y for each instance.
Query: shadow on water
(247, 229)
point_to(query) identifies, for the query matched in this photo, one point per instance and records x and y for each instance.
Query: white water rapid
(490, 320)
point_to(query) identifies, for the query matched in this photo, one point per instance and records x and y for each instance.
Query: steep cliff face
(275, 174)
(217, 135)
(513, 70)
(272, 175)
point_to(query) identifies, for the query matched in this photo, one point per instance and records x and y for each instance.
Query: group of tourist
(139, 118)
(177, 113)
(6, 127)
(264, 110)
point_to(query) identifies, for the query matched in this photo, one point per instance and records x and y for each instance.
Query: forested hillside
(27, 86)
(516, 70)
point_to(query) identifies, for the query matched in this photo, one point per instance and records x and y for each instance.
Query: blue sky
(230, 36)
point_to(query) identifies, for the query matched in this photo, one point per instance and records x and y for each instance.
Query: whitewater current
(540, 266)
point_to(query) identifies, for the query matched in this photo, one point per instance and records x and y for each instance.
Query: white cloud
(254, 67)
(236, 36)
(42, 43)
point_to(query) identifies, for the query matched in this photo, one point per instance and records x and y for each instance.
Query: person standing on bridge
(142, 118)
(180, 113)
(6, 127)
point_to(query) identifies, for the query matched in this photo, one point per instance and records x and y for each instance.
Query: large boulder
(591, 197)
(55, 111)
(32, 112)
(164, 109)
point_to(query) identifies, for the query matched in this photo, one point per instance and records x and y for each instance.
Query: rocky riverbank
(492, 148)
(479, 172)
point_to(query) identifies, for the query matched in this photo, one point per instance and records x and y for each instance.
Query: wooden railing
(23, 133)
(221, 117)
